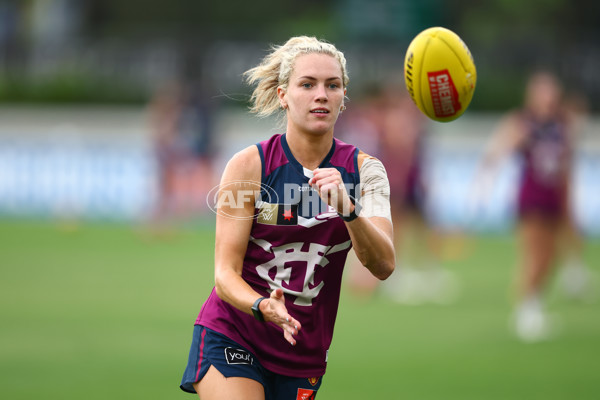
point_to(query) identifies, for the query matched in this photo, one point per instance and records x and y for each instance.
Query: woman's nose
(321, 93)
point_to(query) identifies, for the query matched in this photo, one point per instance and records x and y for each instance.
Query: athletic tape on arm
(375, 189)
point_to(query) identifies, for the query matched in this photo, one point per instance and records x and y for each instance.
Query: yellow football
(440, 74)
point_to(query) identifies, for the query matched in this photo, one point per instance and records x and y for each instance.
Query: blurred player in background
(542, 135)
(280, 248)
(181, 121)
(164, 111)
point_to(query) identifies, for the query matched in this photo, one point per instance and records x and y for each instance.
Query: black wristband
(258, 315)
(353, 215)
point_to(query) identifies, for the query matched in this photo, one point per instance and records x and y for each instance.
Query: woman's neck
(309, 150)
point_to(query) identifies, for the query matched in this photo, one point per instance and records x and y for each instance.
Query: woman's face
(543, 95)
(314, 95)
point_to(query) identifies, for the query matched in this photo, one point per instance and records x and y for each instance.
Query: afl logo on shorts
(238, 356)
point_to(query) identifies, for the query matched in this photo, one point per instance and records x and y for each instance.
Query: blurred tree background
(109, 51)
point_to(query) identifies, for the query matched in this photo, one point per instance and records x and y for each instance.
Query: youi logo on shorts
(238, 356)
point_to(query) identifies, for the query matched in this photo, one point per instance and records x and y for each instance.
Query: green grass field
(106, 312)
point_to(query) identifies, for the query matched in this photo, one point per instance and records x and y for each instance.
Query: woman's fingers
(289, 324)
(290, 330)
(288, 336)
(277, 294)
(330, 186)
(333, 177)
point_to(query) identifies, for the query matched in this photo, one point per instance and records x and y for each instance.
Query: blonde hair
(276, 67)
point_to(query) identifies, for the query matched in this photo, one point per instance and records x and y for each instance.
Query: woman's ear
(281, 95)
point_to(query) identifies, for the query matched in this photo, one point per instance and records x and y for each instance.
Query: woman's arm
(239, 187)
(508, 136)
(506, 139)
(371, 234)
(373, 245)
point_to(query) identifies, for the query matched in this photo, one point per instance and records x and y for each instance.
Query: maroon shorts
(233, 360)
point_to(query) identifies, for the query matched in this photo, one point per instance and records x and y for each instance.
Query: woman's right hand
(274, 310)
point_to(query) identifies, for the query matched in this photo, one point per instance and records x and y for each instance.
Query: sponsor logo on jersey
(277, 214)
(443, 93)
(313, 381)
(238, 356)
(306, 394)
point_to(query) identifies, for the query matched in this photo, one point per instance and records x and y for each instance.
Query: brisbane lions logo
(290, 258)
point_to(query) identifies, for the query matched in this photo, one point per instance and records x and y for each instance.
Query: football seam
(421, 76)
(456, 54)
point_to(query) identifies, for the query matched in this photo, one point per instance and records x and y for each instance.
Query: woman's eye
(306, 85)
(333, 86)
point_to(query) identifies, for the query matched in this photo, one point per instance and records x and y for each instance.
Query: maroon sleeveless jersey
(545, 157)
(299, 244)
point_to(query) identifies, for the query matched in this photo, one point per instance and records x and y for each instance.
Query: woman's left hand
(330, 186)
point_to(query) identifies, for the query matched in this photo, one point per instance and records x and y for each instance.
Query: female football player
(289, 210)
(541, 133)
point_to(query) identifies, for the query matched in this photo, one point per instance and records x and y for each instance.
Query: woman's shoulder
(245, 164)
(367, 159)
